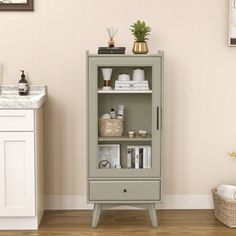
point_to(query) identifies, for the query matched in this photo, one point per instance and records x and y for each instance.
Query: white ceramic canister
(138, 74)
(124, 77)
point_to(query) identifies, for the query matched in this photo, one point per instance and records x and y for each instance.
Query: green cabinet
(142, 111)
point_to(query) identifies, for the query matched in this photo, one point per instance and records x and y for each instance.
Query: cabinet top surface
(10, 99)
(159, 54)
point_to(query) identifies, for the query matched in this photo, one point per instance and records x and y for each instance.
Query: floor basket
(225, 209)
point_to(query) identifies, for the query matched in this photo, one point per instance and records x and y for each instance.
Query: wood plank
(128, 223)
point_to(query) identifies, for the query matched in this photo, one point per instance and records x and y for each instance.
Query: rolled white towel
(227, 191)
(106, 116)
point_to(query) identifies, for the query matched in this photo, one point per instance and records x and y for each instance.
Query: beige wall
(200, 82)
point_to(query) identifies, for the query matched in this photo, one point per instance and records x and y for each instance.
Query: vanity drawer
(125, 190)
(16, 120)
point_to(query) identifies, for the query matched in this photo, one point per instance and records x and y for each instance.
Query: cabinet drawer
(16, 120)
(125, 190)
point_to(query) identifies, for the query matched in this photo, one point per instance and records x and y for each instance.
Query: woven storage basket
(225, 209)
(111, 127)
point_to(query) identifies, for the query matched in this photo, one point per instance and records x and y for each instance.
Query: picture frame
(232, 23)
(16, 5)
(110, 153)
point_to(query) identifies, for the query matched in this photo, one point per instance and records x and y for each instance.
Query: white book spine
(145, 157)
(139, 85)
(136, 157)
(128, 86)
(149, 157)
(136, 88)
(131, 82)
(131, 85)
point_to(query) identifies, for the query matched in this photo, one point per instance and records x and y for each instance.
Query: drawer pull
(125, 190)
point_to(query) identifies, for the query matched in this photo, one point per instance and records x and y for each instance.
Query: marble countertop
(10, 98)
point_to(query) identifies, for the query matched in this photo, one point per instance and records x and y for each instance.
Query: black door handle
(125, 190)
(158, 119)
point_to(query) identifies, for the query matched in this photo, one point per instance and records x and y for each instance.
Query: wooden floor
(128, 223)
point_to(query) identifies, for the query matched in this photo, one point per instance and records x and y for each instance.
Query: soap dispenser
(23, 87)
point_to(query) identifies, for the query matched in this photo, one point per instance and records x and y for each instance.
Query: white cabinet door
(17, 174)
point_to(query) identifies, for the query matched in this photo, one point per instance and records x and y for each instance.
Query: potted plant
(140, 31)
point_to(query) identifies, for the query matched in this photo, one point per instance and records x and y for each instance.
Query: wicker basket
(111, 127)
(225, 209)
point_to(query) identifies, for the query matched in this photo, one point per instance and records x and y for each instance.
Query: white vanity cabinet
(21, 168)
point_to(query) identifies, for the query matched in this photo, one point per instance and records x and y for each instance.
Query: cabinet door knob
(125, 190)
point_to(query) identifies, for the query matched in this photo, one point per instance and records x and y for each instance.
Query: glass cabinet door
(120, 155)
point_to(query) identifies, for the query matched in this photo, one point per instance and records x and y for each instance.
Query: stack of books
(111, 50)
(131, 85)
(139, 157)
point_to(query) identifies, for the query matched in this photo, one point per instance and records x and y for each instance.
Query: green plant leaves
(140, 31)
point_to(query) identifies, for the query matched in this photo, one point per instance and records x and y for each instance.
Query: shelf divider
(125, 139)
(100, 91)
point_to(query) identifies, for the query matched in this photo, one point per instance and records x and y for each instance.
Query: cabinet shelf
(126, 169)
(125, 139)
(100, 91)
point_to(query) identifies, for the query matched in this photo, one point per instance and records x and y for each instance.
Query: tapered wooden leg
(96, 214)
(153, 215)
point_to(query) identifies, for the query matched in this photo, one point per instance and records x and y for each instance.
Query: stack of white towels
(227, 191)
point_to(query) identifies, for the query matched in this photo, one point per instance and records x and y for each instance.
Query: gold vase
(140, 47)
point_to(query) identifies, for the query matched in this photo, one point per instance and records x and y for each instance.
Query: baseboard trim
(79, 202)
(66, 202)
(18, 223)
(190, 201)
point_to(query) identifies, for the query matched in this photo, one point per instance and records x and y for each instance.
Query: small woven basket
(225, 209)
(111, 127)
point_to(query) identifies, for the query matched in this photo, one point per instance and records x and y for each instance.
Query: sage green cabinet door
(150, 119)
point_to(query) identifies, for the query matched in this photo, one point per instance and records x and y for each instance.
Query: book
(111, 52)
(112, 48)
(132, 158)
(132, 85)
(129, 153)
(149, 157)
(145, 157)
(140, 157)
(135, 89)
(136, 157)
(131, 82)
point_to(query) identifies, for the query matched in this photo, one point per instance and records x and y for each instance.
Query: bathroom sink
(9, 97)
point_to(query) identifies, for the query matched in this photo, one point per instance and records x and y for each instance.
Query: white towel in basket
(227, 191)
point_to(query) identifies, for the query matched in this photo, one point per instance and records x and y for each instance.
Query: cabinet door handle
(158, 118)
(125, 190)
